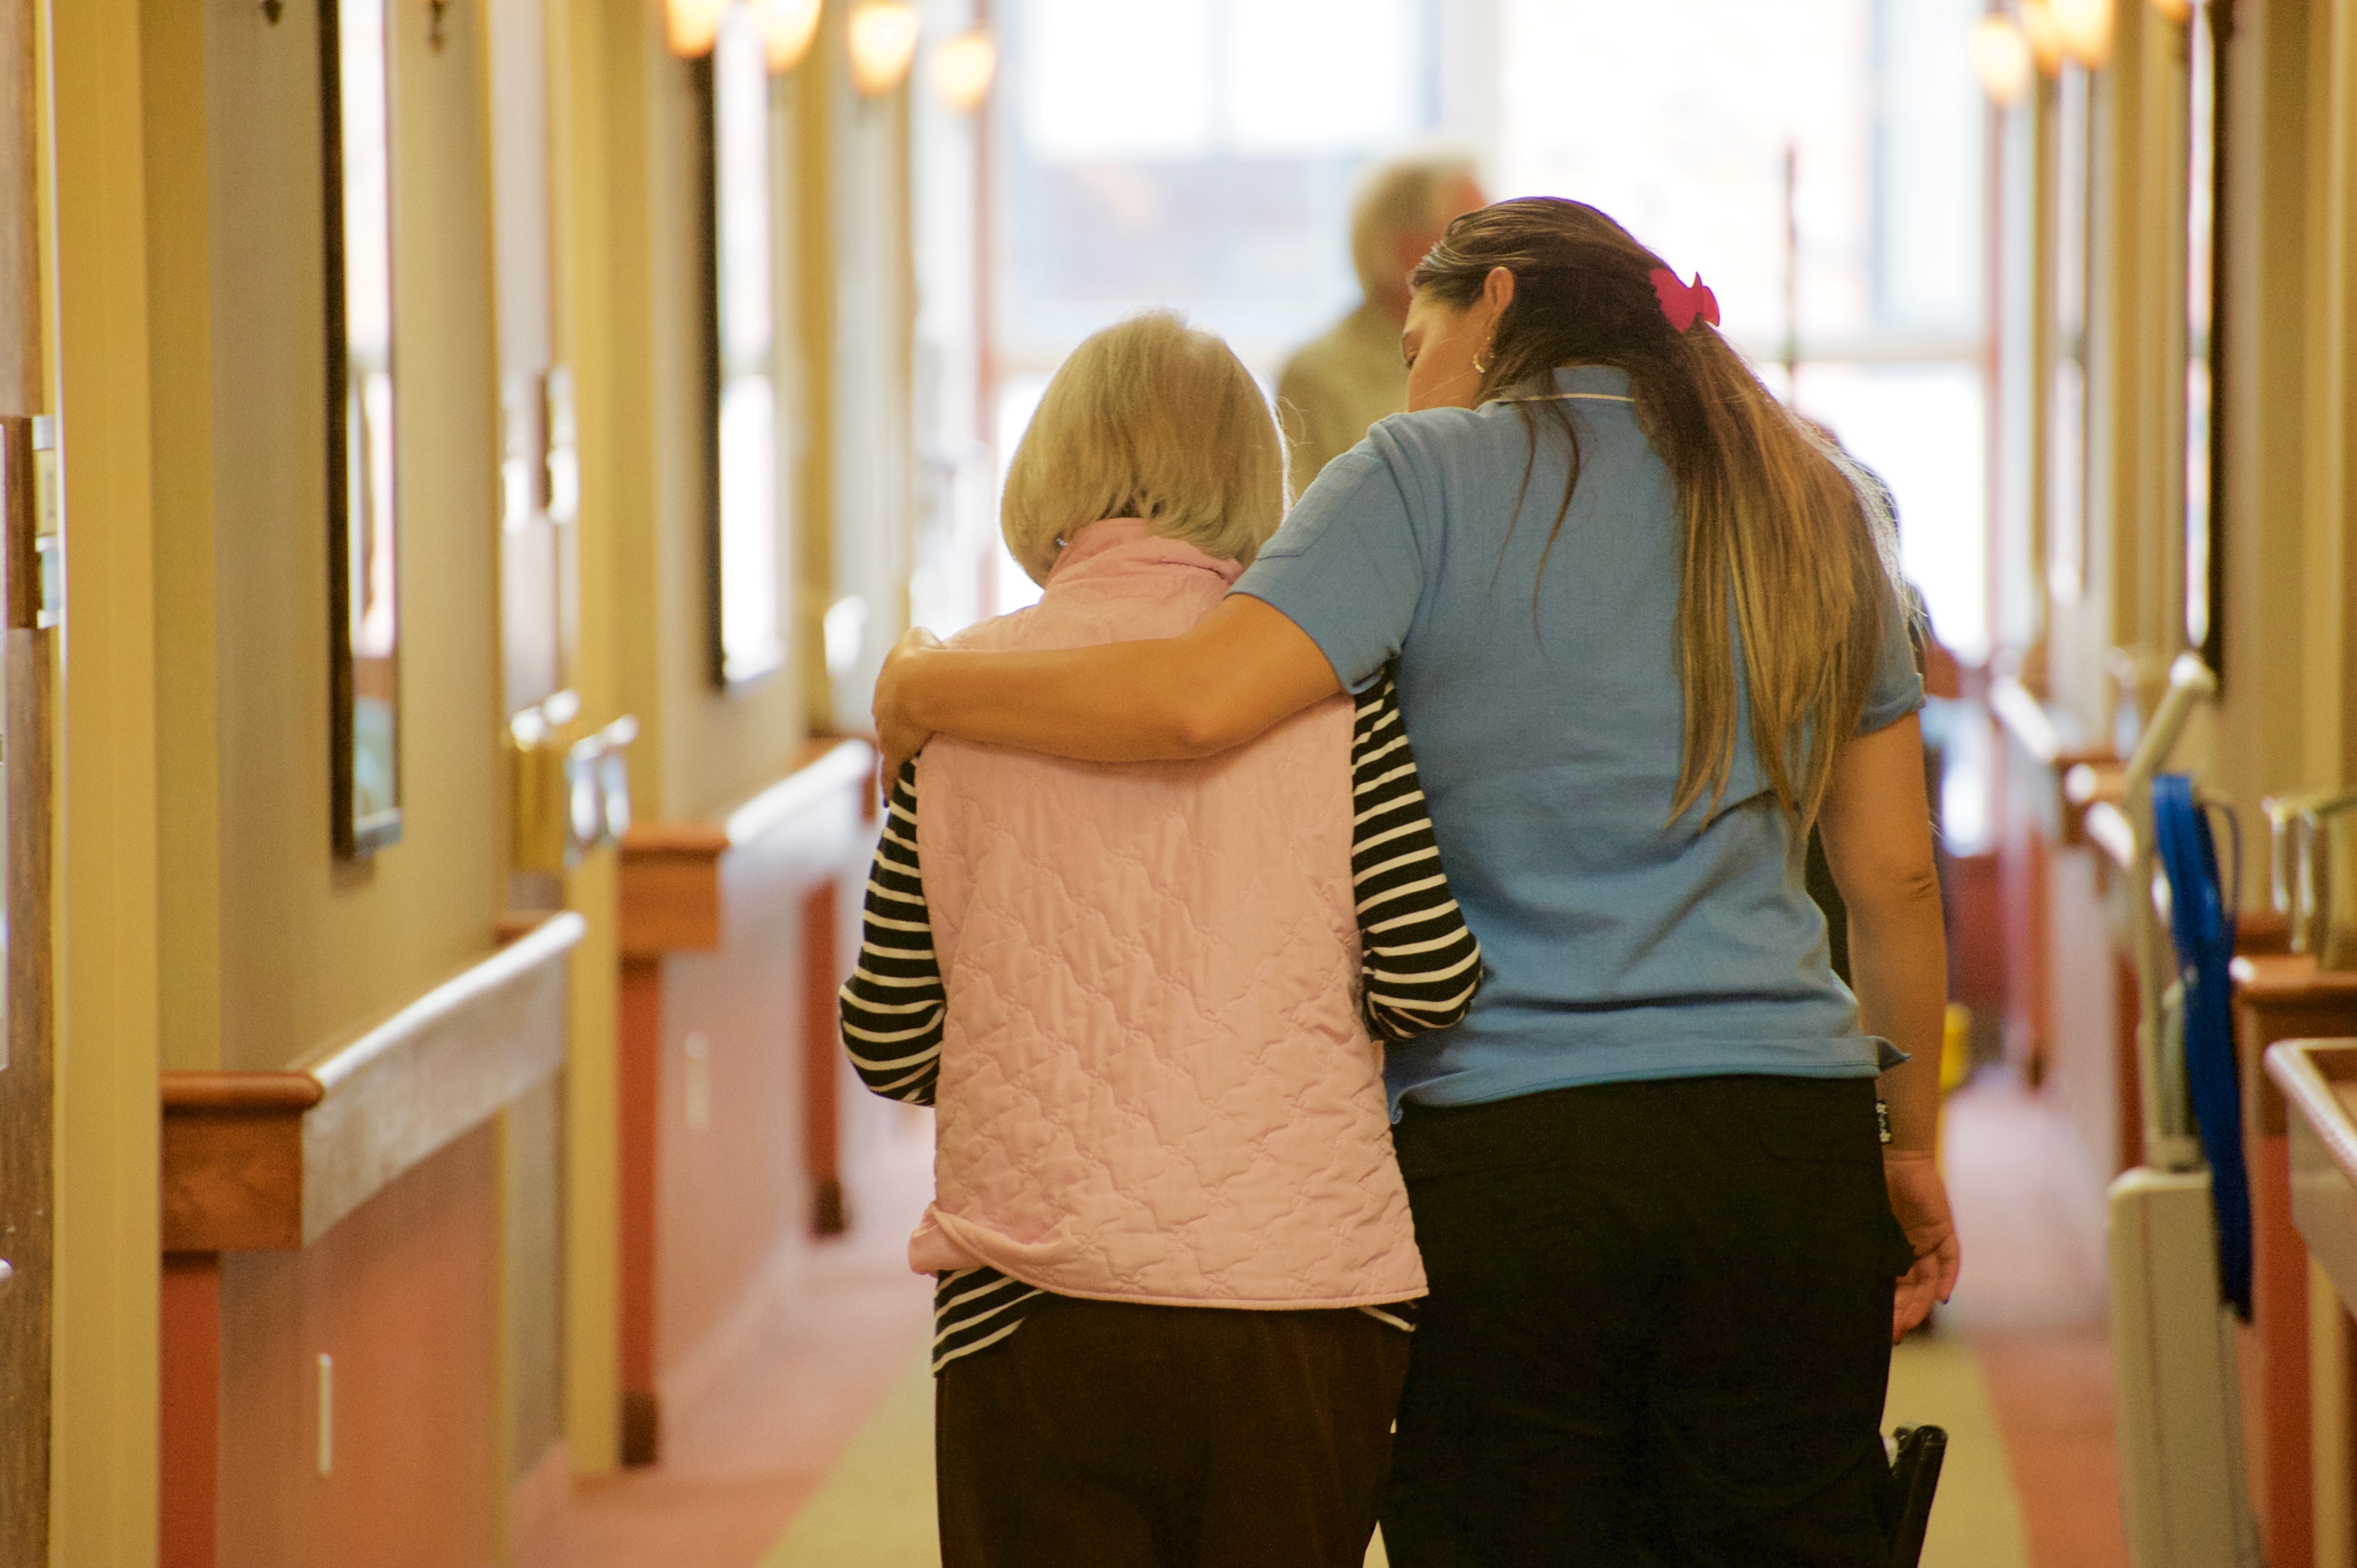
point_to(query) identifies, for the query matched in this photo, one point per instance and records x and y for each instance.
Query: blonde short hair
(1151, 419)
(1397, 198)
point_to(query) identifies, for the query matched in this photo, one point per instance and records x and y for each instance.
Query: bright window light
(1320, 76)
(1119, 81)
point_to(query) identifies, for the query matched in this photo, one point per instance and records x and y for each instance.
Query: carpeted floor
(876, 1509)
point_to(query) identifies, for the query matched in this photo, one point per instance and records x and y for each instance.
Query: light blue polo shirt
(1548, 728)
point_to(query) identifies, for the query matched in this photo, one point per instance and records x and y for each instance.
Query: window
(1860, 266)
(749, 640)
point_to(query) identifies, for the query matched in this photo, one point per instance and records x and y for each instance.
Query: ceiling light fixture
(883, 45)
(2086, 26)
(787, 28)
(963, 69)
(692, 27)
(2044, 37)
(2001, 59)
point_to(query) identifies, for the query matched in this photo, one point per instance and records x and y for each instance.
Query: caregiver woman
(1646, 635)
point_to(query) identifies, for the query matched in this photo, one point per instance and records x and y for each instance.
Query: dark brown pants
(1118, 1436)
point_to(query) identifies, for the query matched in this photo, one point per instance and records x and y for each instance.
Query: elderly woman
(1174, 1259)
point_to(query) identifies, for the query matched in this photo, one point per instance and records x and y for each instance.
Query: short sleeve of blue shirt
(1897, 689)
(1347, 567)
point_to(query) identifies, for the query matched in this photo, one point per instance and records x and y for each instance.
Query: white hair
(1153, 419)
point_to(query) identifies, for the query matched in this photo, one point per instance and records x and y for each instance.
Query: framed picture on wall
(747, 639)
(2206, 31)
(363, 535)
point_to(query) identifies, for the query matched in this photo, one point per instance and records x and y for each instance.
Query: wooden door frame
(27, 1083)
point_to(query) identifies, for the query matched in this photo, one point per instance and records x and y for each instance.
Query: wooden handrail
(271, 1160)
(670, 871)
(295, 1091)
(2307, 1072)
(832, 766)
(337, 1065)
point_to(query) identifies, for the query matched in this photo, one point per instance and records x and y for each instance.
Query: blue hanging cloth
(2201, 929)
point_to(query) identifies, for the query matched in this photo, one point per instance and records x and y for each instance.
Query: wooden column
(670, 902)
(189, 1422)
(640, 1045)
(822, 1105)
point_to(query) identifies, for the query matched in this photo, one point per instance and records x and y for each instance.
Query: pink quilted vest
(1154, 1085)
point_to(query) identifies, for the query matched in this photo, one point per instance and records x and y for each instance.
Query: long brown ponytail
(1775, 517)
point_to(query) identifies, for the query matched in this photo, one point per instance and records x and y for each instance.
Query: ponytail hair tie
(1682, 302)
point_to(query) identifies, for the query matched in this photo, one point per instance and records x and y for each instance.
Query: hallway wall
(404, 1297)
(713, 1032)
(272, 945)
(438, 1298)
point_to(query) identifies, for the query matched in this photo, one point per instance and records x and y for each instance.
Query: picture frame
(362, 515)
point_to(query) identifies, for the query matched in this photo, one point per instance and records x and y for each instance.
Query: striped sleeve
(892, 1006)
(975, 1309)
(1420, 964)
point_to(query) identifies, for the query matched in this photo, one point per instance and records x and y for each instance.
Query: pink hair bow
(1682, 302)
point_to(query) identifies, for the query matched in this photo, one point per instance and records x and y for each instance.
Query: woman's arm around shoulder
(1237, 672)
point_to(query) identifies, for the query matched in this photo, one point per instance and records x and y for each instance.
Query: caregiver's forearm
(1240, 670)
(1110, 703)
(1899, 966)
(1877, 828)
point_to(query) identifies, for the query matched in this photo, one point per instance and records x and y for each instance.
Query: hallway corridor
(467, 467)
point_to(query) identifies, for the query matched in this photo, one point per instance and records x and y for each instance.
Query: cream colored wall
(2133, 391)
(311, 947)
(703, 748)
(2274, 218)
(2326, 705)
(271, 947)
(104, 1425)
(2287, 716)
(174, 84)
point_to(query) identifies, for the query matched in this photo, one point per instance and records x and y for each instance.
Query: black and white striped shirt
(1419, 967)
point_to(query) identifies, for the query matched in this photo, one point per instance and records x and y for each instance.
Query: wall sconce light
(2178, 11)
(2044, 37)
(2001, 59)
(2086, 26)
(692, 27)
(883, 45)
(963, 69)
(787, 28)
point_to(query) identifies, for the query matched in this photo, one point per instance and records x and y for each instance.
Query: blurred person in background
(1338, 384)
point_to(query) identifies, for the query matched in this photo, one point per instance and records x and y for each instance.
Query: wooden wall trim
(252, 1091)
(670, 871)
(271, 1161)
(2312, 1076)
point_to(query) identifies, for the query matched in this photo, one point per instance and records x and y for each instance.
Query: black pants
(1105, 1435)
(1659, 1330)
